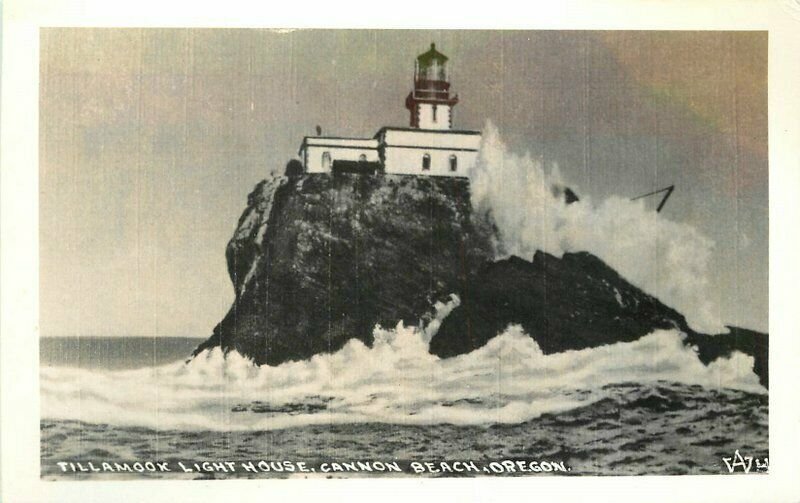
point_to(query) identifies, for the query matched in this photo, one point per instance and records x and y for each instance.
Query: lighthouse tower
(430, 103)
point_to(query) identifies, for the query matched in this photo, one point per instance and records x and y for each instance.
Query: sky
(151, 139)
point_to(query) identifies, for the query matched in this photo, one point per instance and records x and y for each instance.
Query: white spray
(667, 259)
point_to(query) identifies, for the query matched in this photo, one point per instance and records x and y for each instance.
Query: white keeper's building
(428, 147)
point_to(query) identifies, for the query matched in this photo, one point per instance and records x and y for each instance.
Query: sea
(643, 407)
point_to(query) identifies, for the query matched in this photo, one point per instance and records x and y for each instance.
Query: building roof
(339, 142)
(426, 58)
(421, 130)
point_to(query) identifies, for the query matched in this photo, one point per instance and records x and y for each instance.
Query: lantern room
(430, 103)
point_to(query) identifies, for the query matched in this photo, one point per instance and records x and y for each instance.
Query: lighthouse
(429, 147)
(430, 103)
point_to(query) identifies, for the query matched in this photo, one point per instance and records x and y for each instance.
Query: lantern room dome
(432, 55)
(431, 66)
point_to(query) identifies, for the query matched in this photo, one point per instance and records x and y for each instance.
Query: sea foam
(509, 380)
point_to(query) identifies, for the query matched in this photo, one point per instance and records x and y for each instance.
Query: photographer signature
(745, 463)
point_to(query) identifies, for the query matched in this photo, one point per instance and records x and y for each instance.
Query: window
(453, 163)
(426, 162)
(326, 160)
(434, 113)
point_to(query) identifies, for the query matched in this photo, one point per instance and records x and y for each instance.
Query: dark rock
(750, 342)
(567, 194)
(574, 302)
(319, 259)
(294, 168)
(570, 303)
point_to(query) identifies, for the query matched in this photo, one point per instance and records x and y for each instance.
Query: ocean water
(664, 428)
(114, 353)
(645, 407)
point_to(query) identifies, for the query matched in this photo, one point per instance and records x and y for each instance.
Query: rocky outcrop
(569, 303)
(749, 342)
(573, 302)
(318, 259)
